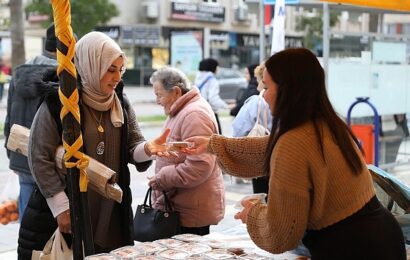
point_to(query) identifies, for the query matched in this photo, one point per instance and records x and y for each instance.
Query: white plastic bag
(260, 129)
(9, 187)
(55, 249)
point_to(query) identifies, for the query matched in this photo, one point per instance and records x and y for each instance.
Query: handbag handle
(168, 207)
(264, 112)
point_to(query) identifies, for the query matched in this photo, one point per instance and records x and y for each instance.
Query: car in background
(232, 84)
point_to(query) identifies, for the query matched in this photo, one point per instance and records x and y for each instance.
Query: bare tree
(18, 54)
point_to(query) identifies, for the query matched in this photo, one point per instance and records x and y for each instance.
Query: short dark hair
(50, 43)
(302, 97)
(208, 64)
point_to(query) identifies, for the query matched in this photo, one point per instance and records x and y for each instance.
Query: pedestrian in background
(111, 135)
(193, 184)
(319, 186)
(4, 77)
(251, 90)
(208, 85)
(26, 92)
(255, 109)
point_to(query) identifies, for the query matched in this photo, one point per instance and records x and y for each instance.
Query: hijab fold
(94, 54)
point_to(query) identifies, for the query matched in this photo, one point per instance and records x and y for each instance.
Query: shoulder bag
(260, 129)
(151, 224)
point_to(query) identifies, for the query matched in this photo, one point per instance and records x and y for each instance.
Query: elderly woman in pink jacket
(193, 183)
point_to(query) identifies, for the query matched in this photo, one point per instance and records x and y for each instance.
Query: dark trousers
(260, 185)
(371, 233)
(219, 124)
(202, 231)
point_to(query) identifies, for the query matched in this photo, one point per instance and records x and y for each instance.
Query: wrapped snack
(194, 248)
(254, 256)
(189, 237)
(214, 243)
(170, 243)
(145, 257)
(219, 254)
(236, 250)
(149, 248)
(103, 256)
(127, 252)
(254, 198)
(172, 254)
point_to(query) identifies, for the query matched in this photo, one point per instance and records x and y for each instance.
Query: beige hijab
(94, 54)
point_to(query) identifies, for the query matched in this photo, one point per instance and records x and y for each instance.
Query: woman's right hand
(64, 222)
(200, 145)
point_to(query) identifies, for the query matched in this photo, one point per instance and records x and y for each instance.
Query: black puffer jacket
(26, 92)
(34, 234)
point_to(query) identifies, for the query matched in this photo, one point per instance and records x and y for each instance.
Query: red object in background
(268, 14)
(365, 134)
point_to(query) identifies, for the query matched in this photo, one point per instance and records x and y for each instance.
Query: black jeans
(371, 233)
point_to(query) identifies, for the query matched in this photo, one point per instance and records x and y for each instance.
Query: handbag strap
(167, 203)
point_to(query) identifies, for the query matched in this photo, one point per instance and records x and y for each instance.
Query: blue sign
(287, 2)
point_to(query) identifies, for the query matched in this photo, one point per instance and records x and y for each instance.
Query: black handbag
(151, 224)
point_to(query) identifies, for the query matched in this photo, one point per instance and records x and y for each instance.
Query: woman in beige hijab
(111, 135)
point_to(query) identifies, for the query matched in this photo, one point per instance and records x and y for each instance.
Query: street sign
(272, 2)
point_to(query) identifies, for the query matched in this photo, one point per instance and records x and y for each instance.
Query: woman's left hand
(152, 182)
(243, 215)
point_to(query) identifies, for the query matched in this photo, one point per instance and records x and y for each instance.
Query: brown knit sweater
(305, 190)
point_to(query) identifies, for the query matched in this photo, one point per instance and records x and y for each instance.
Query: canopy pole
(326, 42)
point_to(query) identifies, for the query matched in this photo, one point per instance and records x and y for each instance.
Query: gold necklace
(100, 129)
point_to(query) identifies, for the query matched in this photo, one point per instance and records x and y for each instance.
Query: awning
(398, 5)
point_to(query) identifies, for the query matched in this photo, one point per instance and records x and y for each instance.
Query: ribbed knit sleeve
(278, 226)
(241, 157)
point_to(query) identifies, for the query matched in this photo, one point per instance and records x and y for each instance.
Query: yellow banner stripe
(64, 33)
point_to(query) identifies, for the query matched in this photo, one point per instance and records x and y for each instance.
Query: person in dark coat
(25, 94)
(251, 90)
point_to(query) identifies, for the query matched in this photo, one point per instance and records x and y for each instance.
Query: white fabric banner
(278, 34)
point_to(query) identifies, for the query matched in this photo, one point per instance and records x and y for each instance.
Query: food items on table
(253, 256)
(8, 212)
(149, 248)
(127, 252)
(104, 256)
(219, 254)
(194, 248)
(170, 242)
(189, 237)
(172, 254)
(236, 250)
(144, 257)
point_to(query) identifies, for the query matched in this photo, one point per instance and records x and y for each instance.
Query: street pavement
(143, 101)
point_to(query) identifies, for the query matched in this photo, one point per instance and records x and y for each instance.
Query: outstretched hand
(243, 215)
(158, 146)
(200, 145)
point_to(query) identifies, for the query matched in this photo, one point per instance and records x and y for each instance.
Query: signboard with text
(202, 12)
(186, 51)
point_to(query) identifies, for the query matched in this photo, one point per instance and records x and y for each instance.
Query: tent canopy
(398, 5)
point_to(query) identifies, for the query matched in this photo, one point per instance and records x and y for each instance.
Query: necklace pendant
(100, 148)
(100, 129)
